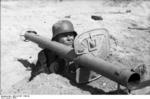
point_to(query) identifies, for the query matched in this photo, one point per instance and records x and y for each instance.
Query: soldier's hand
(54, 67)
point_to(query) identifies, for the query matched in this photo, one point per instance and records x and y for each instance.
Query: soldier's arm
(41, 65)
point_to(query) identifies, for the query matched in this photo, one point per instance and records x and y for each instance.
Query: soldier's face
(66, 39)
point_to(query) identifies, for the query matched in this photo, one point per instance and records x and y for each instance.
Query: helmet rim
(73, 32)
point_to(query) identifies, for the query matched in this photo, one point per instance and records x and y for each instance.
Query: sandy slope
(128, 46)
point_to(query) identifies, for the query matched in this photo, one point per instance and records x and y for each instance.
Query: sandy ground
(128, 24)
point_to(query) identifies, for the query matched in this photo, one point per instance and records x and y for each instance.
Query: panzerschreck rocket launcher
(90, 50)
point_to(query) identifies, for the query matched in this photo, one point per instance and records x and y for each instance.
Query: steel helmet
(62, 26)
